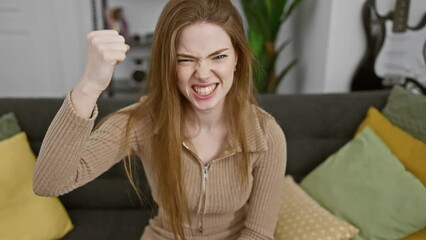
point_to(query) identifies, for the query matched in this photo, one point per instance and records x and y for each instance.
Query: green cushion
(408, 111)
(366, 185)
(8, 126)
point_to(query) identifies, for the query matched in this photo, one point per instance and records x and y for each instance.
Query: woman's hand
(106, 48)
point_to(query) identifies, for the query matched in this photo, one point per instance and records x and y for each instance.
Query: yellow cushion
(409, 150)
(420, 235)
(301, 217)
(24, 215)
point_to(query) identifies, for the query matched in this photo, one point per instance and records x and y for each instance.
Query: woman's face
(206, 65)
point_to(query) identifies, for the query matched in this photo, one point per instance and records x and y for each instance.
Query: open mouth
(205, 90)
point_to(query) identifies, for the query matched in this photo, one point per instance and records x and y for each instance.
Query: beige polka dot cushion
(303, 218)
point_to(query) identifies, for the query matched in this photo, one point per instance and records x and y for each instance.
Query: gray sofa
(107, 208)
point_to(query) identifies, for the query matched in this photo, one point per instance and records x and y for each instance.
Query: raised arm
(71, 154)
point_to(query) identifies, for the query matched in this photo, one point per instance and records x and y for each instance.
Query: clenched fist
(106, 48)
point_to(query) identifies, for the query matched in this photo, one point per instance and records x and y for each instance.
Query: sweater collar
(254, 131)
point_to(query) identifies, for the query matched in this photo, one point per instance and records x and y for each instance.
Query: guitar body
(403, 54)
(365, 77)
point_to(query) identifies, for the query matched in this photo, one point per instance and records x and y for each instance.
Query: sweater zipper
(205, 177)
(205, 170)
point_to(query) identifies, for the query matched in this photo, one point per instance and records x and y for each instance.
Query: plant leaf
(290, 10)
(283, 46)
(268, 10)
(265, 18)
(284, 72)
(257, 18)
(276, 18)
(256, 42)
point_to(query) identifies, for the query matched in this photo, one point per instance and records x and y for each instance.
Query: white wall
(345, 45)
(41, 50)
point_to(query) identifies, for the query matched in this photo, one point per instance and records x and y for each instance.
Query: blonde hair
(166, 104)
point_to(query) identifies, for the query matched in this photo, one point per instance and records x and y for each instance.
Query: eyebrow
(210, 55)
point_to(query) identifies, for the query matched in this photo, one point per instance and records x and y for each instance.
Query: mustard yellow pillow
(301, 217)
(409, 150)
(24, 215)
(419, 235)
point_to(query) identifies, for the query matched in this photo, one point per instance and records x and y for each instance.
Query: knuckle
(101, 48)
(121, 39)
(93, 40)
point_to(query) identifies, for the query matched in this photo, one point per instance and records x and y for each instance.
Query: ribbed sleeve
(72, 155)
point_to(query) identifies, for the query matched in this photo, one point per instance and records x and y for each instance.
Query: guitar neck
(400, 16)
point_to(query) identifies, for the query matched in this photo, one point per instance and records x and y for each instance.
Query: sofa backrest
(315, 126)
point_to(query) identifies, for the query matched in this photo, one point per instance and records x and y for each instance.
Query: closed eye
(184, 60)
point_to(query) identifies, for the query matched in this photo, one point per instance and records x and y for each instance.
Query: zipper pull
(206, 173)
(200, 227)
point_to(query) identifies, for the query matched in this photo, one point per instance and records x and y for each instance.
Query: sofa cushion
(23, 215)
(366, 185)
(8, 126)
(409, 150)
(301, 217)
(107, 192)
(408, 111)
(111, 190)
(108, 224)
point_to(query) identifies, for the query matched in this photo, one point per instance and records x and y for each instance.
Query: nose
(202, 71)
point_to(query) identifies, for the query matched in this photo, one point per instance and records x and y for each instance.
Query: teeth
(204, 90)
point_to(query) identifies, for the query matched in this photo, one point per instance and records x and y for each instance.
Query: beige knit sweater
(72, 154)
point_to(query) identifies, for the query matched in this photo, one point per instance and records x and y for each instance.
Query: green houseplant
(265, 18)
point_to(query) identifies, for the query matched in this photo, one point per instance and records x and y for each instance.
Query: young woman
(214, 160)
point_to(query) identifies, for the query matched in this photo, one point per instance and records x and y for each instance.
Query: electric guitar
(374, 28)
(395, 52)
(402, 59)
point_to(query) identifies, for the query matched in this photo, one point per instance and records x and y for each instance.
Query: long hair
(166, 105)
